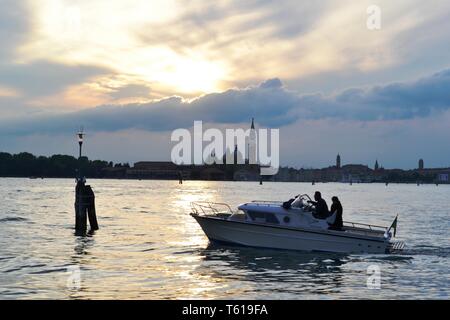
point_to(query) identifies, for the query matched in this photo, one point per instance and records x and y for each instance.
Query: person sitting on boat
(336, 209)
(321, 206)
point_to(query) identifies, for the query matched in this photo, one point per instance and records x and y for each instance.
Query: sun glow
(187, 75)
(92, 33)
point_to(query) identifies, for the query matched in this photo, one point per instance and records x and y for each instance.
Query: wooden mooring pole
(80, 213)
(84, 208)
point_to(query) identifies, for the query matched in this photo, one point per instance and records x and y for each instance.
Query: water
(148, 247)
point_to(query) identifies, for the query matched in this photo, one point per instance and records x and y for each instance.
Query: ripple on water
(7, 258)
(13, 219)
(395, 257)
(22, 267)
(52, 270)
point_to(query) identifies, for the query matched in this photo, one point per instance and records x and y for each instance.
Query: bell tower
(252, 151)
(421, 164)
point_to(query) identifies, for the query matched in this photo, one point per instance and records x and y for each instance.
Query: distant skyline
(130, 72)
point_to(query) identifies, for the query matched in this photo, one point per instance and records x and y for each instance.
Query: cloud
(25, 82)
(261, 38)
(244, 41)
(270, 103)
(187, 49)
(41, 78)
(402, 100)
(221, 25)
(14, 25)
(271, 83)
(130, 91)
(36, 87)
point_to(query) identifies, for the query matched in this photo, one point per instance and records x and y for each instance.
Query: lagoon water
(148, 247)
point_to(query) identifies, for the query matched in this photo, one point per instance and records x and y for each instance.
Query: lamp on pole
(80, 135)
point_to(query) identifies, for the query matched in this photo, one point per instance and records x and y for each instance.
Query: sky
(130, 72)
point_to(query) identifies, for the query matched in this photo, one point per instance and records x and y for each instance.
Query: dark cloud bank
(270, 103)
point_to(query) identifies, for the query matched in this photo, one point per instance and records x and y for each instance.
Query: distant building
(157, 170)
(211, 173)
(421, 164)
(338, 161)
(376, 167)
(115, 172)
(246, 174)
(443, 177)
(232, 166)
(356, 173)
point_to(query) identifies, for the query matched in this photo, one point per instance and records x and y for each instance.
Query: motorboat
(271, 224)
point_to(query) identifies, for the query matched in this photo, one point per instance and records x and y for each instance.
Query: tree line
(25, 164)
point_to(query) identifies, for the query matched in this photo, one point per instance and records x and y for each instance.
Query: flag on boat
(394, 226)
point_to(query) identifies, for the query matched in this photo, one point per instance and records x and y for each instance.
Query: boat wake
(426, 250)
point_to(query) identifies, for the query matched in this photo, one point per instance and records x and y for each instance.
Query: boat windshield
(300, 201)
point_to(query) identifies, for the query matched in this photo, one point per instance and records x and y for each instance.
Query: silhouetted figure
(321, 206)
(336, 207)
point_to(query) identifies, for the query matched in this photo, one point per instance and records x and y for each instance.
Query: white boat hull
(276, 237)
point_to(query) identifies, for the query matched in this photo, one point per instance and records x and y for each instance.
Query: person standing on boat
(336, 208)
(321, 206)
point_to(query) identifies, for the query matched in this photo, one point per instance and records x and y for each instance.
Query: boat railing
(359, 225)
(206, 207)
(265, 202)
